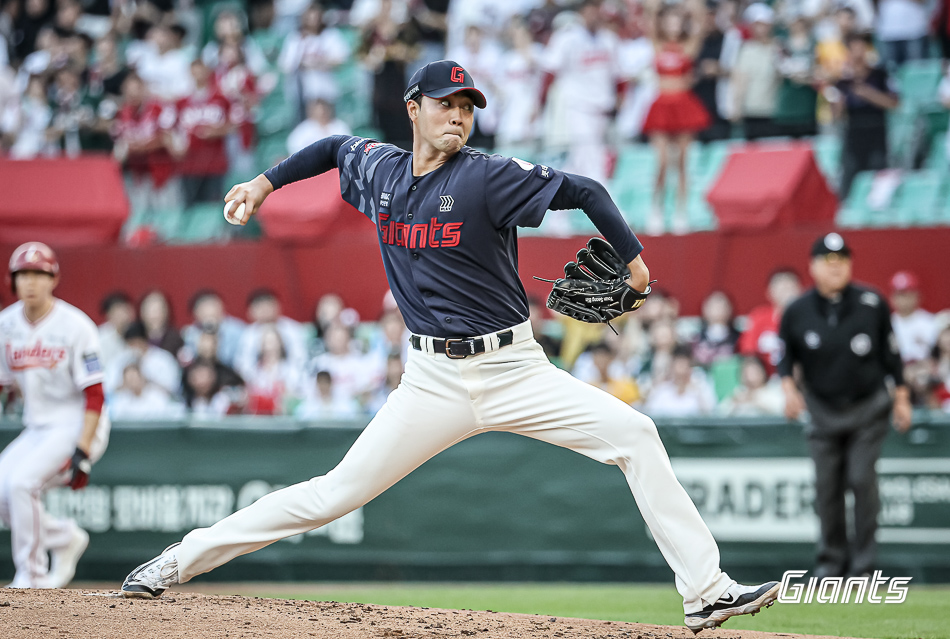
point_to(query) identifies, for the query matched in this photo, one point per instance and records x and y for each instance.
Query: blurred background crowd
(340, 367)
(192, 96)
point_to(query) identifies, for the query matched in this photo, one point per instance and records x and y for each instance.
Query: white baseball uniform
(52, 361)
(586, 67)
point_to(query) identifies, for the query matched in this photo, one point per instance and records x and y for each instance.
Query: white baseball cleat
(737, 600)
(63, 560)
(152, 578)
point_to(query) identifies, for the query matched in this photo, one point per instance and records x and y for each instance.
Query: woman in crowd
(677, 115)
(718, 337)
(756, 395)
(273, 383)
(155, 315)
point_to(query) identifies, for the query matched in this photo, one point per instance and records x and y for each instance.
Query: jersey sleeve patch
(527, 166)
(92, 364)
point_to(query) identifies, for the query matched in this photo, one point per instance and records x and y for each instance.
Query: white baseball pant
(28, 467)
(440, 402)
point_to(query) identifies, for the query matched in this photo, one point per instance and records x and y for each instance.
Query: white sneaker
(737, 600)
(655, 224)
(152, 578)
(63, 561)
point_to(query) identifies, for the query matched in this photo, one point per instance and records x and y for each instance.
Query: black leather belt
(460, 348)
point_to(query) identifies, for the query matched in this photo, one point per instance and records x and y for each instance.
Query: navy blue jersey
(449, 238)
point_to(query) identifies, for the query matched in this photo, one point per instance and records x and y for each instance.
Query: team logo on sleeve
(812, 339)
(91, 360)
(527, 166)
(545, 172)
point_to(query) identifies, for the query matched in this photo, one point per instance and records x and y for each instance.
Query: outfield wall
(495, 507)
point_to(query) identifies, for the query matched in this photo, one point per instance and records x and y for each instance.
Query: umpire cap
(830, 243)
(32, 256)
(440, 79)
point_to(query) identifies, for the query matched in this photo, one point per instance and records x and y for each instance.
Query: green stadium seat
(937, 157)
(204, 223)
(855, 211)
(827, 149)
(270, 151)
(918, 198)
(918, 83)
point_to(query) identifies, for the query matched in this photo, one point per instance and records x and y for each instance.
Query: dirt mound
(100, 614)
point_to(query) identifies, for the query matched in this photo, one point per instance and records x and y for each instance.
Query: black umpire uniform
(845, 347)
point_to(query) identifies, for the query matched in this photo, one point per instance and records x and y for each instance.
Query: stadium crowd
(339, 367)
(174, 89)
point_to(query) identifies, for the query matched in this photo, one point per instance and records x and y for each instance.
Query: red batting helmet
(32, 256)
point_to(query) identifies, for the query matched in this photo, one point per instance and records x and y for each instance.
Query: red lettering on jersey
(418, 231)
(450, 235)
(37, 356)
(402, 234)
(458, 75)
(434, 227)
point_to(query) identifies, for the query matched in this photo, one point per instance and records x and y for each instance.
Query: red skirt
(679, 112)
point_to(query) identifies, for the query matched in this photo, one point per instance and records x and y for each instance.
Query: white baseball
(238, 217)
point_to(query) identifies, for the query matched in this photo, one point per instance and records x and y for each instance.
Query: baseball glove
(594, 288)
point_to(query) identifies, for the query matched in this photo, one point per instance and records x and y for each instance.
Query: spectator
(757, 395)
(386, 49)
(264, 312)
(637, 69)
(243, 90)
(321, 123)
(394, 372)
(677, 115)
(27, 26)
(273, 382)
(137, 399)
(310, 56)
(229, 31)
(831, 51)
(760, 337)
(428, 19)
(756, 77)
(209, 316)
(717, 337)
(327, 403)
(353, 373)
(941, 354)
(902, 29)
(264, 34)
(519, 82)
(796, 112)
(25, 125)
(76, 125)
(329, 311)
(142, 141)
(582, 57)
(622, 386)
(156, 364)
(481, 57)
(163, 63)
(923, 383)
(709, 70)
(659, 360)
(223, 377)
(108, 72)
(119, 312)
(155, 316)
(686, 394)
(915, 328)
(204, 120)
(204, 394)
(864, 94)
(392, 338)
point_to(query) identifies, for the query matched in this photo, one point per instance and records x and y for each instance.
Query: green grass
(925, 614)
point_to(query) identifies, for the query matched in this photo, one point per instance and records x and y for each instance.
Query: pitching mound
(63, 614)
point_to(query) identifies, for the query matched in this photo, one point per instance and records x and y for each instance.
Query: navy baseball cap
(440, 79)
(830, 243)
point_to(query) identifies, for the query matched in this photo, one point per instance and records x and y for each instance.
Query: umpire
(839, 334)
